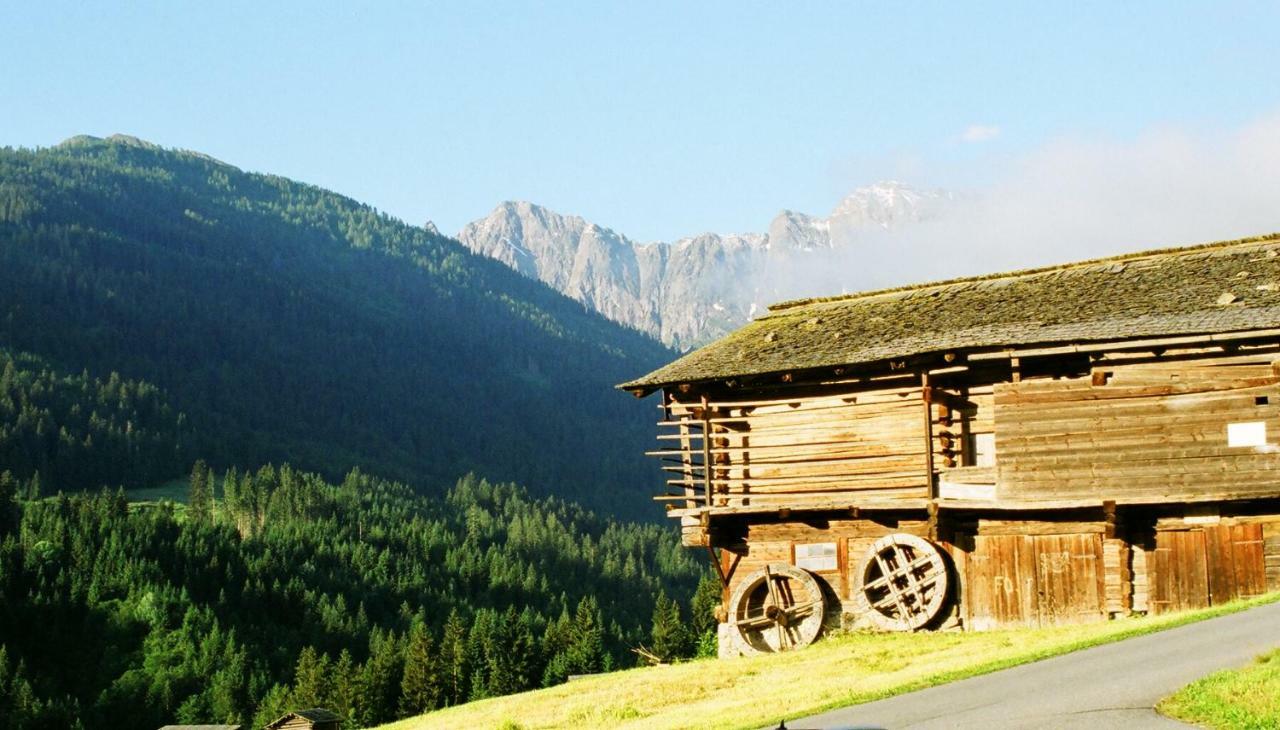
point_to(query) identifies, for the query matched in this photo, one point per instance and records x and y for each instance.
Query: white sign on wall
(1251, 433)
(817, 556)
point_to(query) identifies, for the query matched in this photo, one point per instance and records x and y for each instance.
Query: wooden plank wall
(1271, 554)
(803, 452)
(1118, 576)
(1195, 568)
(1034, 580)
(1140, 431)
(962, 414)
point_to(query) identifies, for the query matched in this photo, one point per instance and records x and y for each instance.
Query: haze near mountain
(697, 288)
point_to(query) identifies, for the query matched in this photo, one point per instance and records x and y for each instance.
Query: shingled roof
(1211, 288)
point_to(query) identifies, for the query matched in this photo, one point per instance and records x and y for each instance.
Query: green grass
(1234, 699)
(174, 490)
(752, 692)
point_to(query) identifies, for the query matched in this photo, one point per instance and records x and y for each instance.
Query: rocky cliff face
(695, 289)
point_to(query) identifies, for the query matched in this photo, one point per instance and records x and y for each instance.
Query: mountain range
(694, 289)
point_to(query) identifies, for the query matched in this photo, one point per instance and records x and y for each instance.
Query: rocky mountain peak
(698, 287)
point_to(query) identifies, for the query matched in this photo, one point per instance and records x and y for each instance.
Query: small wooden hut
(315, 718)
(1050, 446)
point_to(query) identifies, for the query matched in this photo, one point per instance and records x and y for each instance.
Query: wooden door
(1235, 560)
(1207, 566)
(1001, 582)
(1069, 579)
(1179, 579)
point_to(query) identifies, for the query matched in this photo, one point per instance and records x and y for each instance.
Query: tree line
(276, 588)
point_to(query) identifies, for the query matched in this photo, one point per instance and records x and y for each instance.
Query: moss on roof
(1217, 287)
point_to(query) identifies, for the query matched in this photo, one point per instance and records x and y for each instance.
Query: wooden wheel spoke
(797, 609)
(905, 582)
(754, 622)
(886, 578)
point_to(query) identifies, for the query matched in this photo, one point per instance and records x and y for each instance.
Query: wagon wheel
(904, 580)
(777, 608)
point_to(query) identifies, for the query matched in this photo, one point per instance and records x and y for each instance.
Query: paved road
(1110, 686)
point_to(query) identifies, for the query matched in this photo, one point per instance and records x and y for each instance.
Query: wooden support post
(706, 448)
(715, 560)
(1109, 516)
(927, 397)
(1015, 369)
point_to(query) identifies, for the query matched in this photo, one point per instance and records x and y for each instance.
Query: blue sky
(657, 119)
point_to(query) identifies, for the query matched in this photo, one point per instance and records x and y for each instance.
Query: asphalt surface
(1111, 686)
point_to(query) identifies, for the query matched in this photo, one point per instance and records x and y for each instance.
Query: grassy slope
(174, 490)
(750, 692)
(1235, 699)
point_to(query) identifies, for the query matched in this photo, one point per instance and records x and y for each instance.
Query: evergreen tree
(200, 492)
(8, 503)
(422, 686)
(702, 614)
(380, 680)
(311, 680)
(586, 651)
(274, 705)
(345, 686)
(453, 660)
(669, 634)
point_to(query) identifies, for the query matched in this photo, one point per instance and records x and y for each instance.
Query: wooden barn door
(1207, 566)
(1069, 579)
(1179, 578)
(1001, 584)
(1034, 580)
(1235, 562)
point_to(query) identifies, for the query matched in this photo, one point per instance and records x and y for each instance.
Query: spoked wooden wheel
(777, 608)
(904, 579)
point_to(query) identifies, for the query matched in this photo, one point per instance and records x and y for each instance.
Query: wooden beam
(926, 396)
(1136, 344)
(706, 449)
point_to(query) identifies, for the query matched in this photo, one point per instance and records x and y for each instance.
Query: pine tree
(703, 605)
(345, 683)
(380, 679)
(453, 659)
(8, 503)
(669, 634)
(311, 679)
(421, 687)
(586, 653)
(275, 704)
(200, 492)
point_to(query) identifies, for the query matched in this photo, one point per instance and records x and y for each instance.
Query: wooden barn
(316, 718)
(1051, 446)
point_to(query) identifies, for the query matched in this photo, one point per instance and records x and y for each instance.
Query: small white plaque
(816, 556)
(1251, 433)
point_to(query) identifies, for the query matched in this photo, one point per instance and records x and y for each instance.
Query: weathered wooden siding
(1139, 432)
(1034, 580)
(799, 452)
(1195, 568)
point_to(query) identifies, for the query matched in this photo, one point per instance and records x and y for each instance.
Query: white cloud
(1071, 199)
(979, 133)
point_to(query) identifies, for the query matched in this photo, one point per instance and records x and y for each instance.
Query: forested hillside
(260, 320)
(290, 591)
(73, 429)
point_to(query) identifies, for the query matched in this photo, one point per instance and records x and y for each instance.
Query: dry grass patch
(751, 692)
